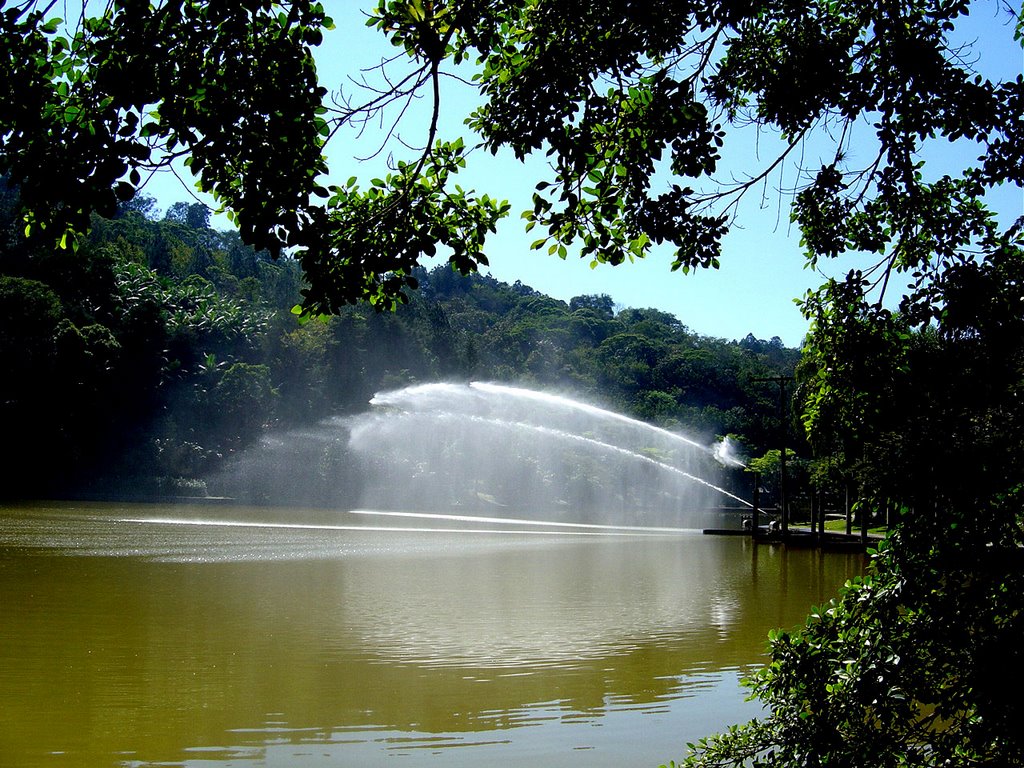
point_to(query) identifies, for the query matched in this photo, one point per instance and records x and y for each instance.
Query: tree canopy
(631, 105)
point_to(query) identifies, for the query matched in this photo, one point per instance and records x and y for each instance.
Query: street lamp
(781, 381)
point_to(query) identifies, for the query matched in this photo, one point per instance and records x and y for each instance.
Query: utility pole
(783, 412)
(754, 522)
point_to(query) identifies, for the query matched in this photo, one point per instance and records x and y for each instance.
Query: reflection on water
(129, 640)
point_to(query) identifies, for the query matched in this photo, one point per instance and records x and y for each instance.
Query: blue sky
(762, 267)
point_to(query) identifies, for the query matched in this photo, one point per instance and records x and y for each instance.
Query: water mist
(486, 451)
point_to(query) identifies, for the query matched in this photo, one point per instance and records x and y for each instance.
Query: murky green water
(129, 640)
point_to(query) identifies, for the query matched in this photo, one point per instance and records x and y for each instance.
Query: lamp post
(781, 381)
(754, 522)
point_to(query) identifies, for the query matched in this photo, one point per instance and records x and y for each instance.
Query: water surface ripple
(139, 635)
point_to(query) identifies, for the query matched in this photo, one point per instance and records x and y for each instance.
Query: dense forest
(163, 347)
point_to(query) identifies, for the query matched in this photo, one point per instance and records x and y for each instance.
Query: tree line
(163, 347)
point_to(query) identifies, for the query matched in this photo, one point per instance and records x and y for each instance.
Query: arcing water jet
(490, 450)
(482, 446)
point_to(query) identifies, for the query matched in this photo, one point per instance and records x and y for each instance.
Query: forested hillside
(162, 347)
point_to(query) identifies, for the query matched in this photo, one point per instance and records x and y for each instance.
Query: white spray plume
(727, 451)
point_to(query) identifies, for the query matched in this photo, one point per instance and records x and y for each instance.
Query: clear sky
(762, 268)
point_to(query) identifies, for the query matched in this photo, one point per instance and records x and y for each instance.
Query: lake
(143, 635)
